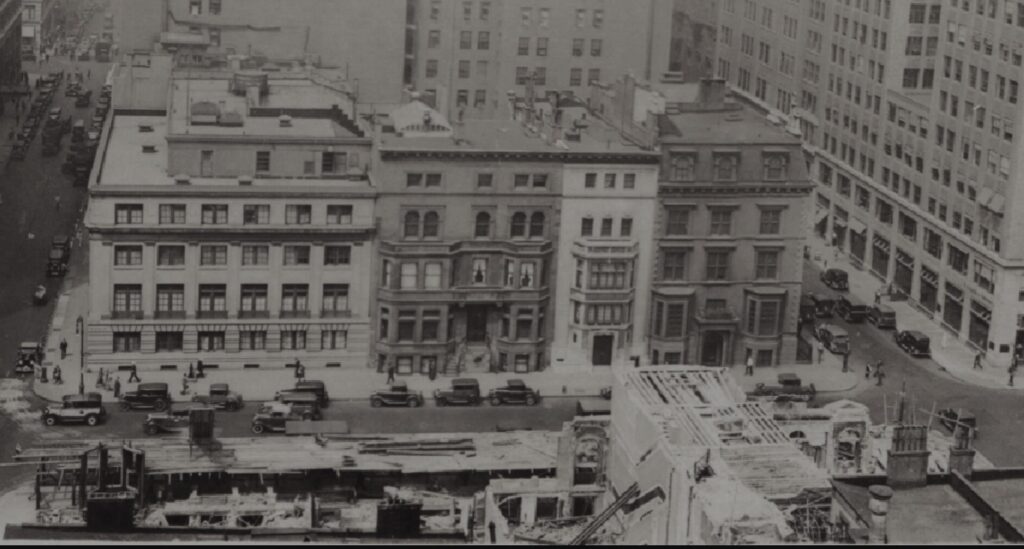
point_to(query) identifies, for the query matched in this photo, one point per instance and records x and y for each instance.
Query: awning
(904, 257)
(858, 227)
(163, 328)
(767, 290)
(881, 243)
(996, 205)
(820, 216)
(930, 277)
(125, 328)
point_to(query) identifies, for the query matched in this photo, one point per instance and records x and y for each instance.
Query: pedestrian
(846, 362)
(63, 348)
(199, 370)
(879, 375)
(878, 296)
(191, 372)
(117, 387)
(99, 379)
(1012, 370)
(56, 202)
(391, 374)
(750, 364)
(135, 374)
(184, 384)
(821, 352)
(977, 361)
(867, 370)
(57, 380)
(298, 370)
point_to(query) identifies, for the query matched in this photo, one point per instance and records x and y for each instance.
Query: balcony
(126, 315)
(336, 314)
(253, 314)
(211, 314)
(294, 314)
(717, 315)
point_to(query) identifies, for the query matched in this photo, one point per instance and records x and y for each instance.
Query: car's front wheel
(531, 400)
(376, 402)
(257, 428)
(495, 401)
(441, 402)
(92, 420)
(160, 405)
(414, 403)
(50, 421)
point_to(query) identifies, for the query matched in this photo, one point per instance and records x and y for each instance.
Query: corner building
(224, 229)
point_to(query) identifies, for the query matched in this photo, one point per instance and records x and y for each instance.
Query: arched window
(519, 225)
(537, 224)
(412, 224)
(431, 222)
(483, 225)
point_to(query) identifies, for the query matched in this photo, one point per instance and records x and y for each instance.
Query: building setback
(224, 229)
(909, 109)
(361, 38)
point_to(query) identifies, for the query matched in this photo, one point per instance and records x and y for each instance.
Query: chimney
(879, 506)
(907, 464)
(712, 93)
(961, 452)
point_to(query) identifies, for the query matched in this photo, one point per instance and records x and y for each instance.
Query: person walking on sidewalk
(1012, 370)
(57, 380)
(821, 352)
(750, 364)
(867, 370)
(117, 387)
(846, 362)
(879, 374)
(977, 361)
(63, 348)
(199, 370)
(135, 374)
(391, 374)
(300, 371)
(184, 384)
(878, 296)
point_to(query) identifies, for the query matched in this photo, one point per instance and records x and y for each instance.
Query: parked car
(950, 418)
(311, 386)
(397, 394)
(606, 393)
(882, 316)
(914, 343)
(463, 391)
(221, 397)
(61, 242)
(823, 305)
(147, 396)
(789, 388)
(808, 310)
(850, 310)
(304, 403)
(87, 408)
(57, 263)
(83, 99)
(274, 418)
(837, 279)
(30, 353)
(170, 421)
(833, 337)
(54, 114)
(73, 89)
(515, 391)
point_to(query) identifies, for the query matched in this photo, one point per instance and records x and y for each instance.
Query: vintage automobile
(834, 338)
(30, 353)
(914, 343)
(303, 403)
(397, 394)
(823, 305)
(463, 391)
(789, 389)
(72, 89)
(170, 421)
(850, 310)
(83, 99)
(837, 279)
(882, 316)
(57, 263)
(606, 393)
(147, 396)
(310, 386)
(221, 397)
(951, 418)
(274, 418)
(515, 391)
(87, 408)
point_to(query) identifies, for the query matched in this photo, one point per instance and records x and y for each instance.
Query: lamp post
(80, 330)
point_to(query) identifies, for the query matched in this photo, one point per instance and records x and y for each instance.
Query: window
(167, 342)
(526, 274)
(170, 256)
(412, 225)
(678, 221)
(542, 47)
(215, 214)
(598, 18)
(254, 255)
(479, 271)
(674, 265)
(575, 77)
(382, 330)
(595, 47)
(430, 327)
(212, 301)
(483, 40)
(717, 265)
(262, 161)
(195, 7)
(485, 180)
(524, 45)
(128, 214)
(957, 259)
(762, 317)
(385, 274)
(431, 225)
(294, 300)
(431, 69)
(466, 40)
(331, 340)
(767, 265)
(127, 256)
(339, 215)
(410, 276)
(256, 214)
(629, 181)
(540, 76)
(296, 255)
(335, 300)
(293, 340)
(606, 226)
(775, 167)
(464, 68)
(522, 76)
(524, 324)
(172, 214)
(721, 221)
(609, 180)
(213, 255)
(406, 325)
(770, 221)
(518, 228)
(482, 227)
(537, 225)
(593, 75)
(298, 214)
(170, 301)
(587, 226)
(252, 341)
(626, 227)
(337, 255)
(432, 276)
(480, 98)
(127, 342)
(433, 39)
(577, 47)
(211, 341)
(726, 166)
(253, 301)
(331, 162)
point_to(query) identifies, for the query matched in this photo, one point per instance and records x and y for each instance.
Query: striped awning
(858, 227)
(293, 327)
(928, 276)
(163, 328)
(881, 243)
(125, 328)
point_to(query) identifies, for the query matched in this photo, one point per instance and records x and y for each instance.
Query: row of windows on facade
(949, 103)
(539, 75)
(330, 163)
(1006, 88)
(195, 7)
(212, 300)
(542, 19)
(1009, 52)
(483, 42)
(485, 180)
(428, 225)
(218, 214)
(682, 166)
(669, 318)
(216, 255)
(675, 265)
(677, 221)
(523, 274)
(425, 326)
(248, 340)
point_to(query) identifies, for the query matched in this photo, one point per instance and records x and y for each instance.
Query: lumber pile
(419, 447)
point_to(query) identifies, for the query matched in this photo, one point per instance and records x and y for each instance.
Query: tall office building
(909, 110)
(10, 48)
(36, 25)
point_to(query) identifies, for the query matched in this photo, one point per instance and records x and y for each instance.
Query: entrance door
(206, 164)
(602, 355)
(712, 349)
(476, 324)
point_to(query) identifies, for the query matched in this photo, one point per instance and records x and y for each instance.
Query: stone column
(879, 506)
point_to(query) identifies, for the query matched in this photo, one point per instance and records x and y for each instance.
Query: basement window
(333, 365)
(168, 367)
(144, 128)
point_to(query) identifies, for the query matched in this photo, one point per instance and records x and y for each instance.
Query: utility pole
(80, 330)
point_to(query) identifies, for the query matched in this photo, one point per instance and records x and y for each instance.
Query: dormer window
(682, 166)
(775, 166)
(726, 166)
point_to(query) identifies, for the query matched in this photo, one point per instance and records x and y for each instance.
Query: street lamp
(80, 330)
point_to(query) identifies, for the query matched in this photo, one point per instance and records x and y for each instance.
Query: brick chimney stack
(907, 463)
(961, 452)
(879, 507)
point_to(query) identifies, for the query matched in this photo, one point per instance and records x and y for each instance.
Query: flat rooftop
(736, 126)
(1005, 495)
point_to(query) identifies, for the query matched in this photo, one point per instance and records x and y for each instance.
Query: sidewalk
(954, 357)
